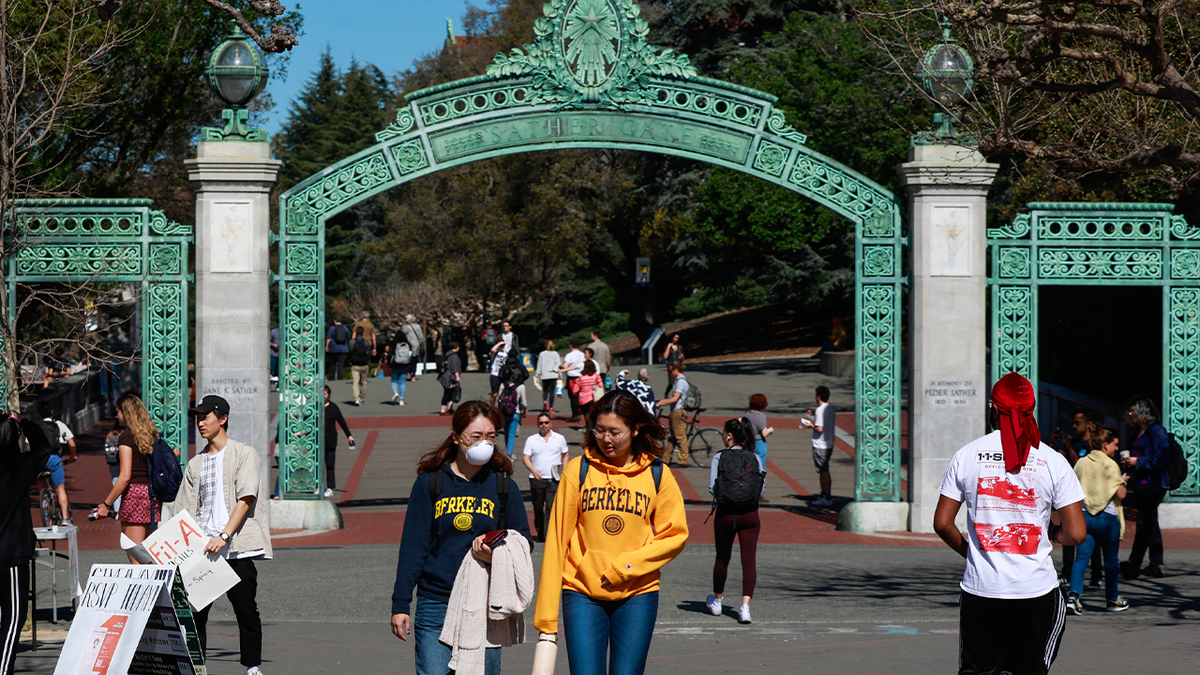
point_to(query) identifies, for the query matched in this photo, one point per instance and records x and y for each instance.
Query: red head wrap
(1013, 398)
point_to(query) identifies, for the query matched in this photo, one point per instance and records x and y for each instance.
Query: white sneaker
(744, 614)
(714, 605)
(328, 493)
(254, 671)
(395, 398)
(401, 401)
(822, 500)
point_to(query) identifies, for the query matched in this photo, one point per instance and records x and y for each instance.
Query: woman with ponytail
(736, 481)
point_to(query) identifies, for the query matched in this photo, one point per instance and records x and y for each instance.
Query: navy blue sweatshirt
(437, 537)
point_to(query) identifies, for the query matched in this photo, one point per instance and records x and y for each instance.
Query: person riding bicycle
(53, 474)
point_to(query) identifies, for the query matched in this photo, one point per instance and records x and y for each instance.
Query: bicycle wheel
(49, 504)
(703, 445)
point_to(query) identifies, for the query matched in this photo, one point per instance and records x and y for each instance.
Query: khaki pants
(678, 424)
(359, 374)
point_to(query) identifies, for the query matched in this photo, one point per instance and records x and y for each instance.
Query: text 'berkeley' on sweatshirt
(437, 536)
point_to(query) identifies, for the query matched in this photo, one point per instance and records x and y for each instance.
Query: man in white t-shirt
(1011, 609)
(573, 367)
(823, 423)
(543, 452)
(677, 421)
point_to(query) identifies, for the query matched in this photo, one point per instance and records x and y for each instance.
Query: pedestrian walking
(736, 481)
(274, 338)
(618, 518)
(487, 339)
(18, 470)
(337, 347)
(545, 455)
(138, 512)
(587, 386)
(220, 488)
(1103, 489)
(416, 342)
(501, 352)
(333, 416)
(757, 404)
(512, 405)
(451, 380)
(1011, 610)
(368, 329)
(463, 490)
(678, 416)
(673, 353)
(823, 425)
(640, 388)
(546, 372)
(1148, 466)
(400, 353)
(601, 353)
(572, 367)
(360, 364)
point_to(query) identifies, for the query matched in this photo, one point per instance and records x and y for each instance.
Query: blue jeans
(760, 449)
(591, 626)
(510, 432)
(399, 377)
(433, 657)
(1103, 530)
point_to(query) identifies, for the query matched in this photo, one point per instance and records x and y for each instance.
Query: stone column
(233, 181)
(947, 187)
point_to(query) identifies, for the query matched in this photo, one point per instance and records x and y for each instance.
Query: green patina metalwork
(118, 240)
(237, 128)
(590, 80)
(1097, 245)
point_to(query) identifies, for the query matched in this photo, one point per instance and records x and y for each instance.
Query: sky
(390, 34)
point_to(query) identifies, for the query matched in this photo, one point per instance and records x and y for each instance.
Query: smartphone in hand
(494, 538)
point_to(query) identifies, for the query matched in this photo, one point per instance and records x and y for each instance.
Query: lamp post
(947, 73)
(236, 73)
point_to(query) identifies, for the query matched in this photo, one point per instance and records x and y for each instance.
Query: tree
(280, 37)
(1096, 92)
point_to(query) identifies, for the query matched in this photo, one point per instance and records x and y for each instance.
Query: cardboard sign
(128, 622)
(180, 541)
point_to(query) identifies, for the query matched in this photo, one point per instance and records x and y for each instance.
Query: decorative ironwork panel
(471, 104)
(301, 356)
(1019, 228)
(302, 259)
(165, 358)
(1012, 347)
(405, 121)
(1096, 263)
(410, 157)
(1182, 409)
(337, 189)
(877, 452)
(879, 261)
(1015, 263)
(844, 192)
(1185, 264)
(1101, 227)
(771, 159)
(165, 259)
(80, 260)
(707, 103)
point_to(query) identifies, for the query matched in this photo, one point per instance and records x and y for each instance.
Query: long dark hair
(650, 434)
(448, 450)
(742, 431)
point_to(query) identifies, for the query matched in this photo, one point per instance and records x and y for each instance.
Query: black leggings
(746, 526)
(548, 393)
(1149, 535)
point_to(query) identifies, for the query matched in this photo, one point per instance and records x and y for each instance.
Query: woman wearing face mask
(454, 501)
(618, 518)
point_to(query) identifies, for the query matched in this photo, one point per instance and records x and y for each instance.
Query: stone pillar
(233, 181)
(947, 187)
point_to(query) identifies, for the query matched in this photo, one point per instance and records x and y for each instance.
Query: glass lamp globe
(236, 71)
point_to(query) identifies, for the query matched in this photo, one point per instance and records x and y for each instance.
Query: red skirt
(135, 506)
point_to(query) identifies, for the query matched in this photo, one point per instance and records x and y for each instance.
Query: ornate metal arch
(118, 240)
(590, 80)
(1078, 244)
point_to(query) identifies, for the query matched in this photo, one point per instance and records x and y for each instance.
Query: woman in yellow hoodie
(617, 519)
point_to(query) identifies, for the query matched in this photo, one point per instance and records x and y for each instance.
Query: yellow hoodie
(616, 527)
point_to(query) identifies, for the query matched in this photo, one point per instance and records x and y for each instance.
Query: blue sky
(387, 33)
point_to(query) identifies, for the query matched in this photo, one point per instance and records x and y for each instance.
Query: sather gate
(591, 80)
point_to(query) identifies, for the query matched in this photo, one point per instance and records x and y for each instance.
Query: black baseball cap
(209, 404)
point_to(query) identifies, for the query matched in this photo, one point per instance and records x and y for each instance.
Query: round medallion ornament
(613, 525)
(590, 42)
(462, 522)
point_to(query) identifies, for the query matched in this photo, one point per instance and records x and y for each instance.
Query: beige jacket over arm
(239, 479)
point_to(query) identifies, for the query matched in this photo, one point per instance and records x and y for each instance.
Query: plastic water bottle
(545, 654)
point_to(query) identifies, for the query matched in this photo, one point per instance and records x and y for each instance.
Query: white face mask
(480, 453)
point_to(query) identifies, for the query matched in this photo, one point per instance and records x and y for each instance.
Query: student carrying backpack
(736, 483)
(341, 334)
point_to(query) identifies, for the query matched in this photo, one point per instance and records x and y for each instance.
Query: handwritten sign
(180, 541)
(128, 622)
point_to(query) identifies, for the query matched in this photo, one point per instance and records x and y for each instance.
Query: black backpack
(53, 435)
(1177, 465)
(360, 352)
(165, 473)
(509, 400)
(341, 334)
(739, 480)
(435, 493)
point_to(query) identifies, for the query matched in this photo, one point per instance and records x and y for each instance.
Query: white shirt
(826, 418)
(218, 518)
(498, 361)
(575, 359)
(64, 432)
(1008, 516)
(544, 453)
